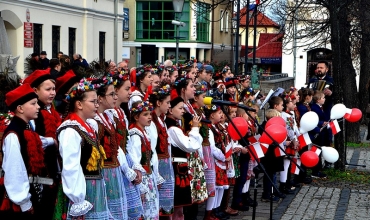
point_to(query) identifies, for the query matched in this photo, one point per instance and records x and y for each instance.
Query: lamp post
(178, 6)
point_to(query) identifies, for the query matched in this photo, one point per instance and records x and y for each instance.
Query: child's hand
(196, 120)
(244, 150)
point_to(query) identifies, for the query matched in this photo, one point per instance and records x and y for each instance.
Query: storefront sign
(28, 35)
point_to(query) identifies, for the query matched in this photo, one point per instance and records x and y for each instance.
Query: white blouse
(73, 179)
(16, 178)
(153, 133)
(189, 143)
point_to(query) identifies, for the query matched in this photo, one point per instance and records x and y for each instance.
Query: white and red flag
(258, 150)
(316, 149)
(254, 139)
(293, 168)
(304, 140)
(278, 151)
(334, 127)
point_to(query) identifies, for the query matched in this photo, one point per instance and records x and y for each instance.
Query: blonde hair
(270, 113)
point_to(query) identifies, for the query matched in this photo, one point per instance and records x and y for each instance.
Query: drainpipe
(213, 29)
(116, 31)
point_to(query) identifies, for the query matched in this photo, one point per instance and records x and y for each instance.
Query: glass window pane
(156, 6)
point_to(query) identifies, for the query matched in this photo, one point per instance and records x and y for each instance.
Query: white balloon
(308, 122)
(330, 154)
(338, 111)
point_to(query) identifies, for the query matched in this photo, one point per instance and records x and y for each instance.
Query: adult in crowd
(55, 68)
(44, 60)
(122, 66)
(79, 61)
(321, 73)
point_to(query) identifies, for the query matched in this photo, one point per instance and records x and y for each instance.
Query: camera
(178, 23)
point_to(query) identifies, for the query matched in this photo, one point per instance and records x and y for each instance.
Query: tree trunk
(345, 89)
(364, 17)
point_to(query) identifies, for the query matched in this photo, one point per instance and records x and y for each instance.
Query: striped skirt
(166, 192)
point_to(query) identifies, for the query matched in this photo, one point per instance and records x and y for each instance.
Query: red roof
(262, 19)
(269, 46)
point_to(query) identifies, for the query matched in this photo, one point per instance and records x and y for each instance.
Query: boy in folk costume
(46, 125)
(23, 158)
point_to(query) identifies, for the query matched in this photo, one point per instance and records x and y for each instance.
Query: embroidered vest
(146, 152)
(87, 145)
(162, 140)
(107, 139)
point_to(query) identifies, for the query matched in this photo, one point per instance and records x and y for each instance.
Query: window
(55, 44)
(203, 22)
(37, 38)
(71, 41)
(226, 21)
(101, 46)
(153, 21)
(222, 20)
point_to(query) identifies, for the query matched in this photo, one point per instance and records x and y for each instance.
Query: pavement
(323, 200)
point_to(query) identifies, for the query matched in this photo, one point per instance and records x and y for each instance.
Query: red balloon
(275, 120)
(276, 131)
(309, 159)
(355, 115)
(242, 127)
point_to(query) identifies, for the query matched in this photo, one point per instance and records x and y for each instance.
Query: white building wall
(87, 16)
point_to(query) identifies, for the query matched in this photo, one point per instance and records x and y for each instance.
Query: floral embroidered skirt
(198, 184)
(97, 196)
(134, 205)
(166, 192)
(221, 178)
(209, 172)
(151, 201)
(116, 196)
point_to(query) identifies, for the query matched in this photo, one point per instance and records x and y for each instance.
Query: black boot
(220, 214)
(284, 189)
(248, 201)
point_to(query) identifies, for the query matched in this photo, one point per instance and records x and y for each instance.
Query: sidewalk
(334, 201)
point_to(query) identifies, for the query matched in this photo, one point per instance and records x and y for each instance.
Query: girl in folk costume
(23, 158)
(231, 91)
(218, 140)
(291, 144)
(46, 125)
(209, 164)
(140, 151)
(131, 177)
(141, 81)
(184, 87)
(224, 209)
(190, 69)
(181, 146)
(173, 73)
(305, 98)
(293, 93)
(83, 157)
(116, 196)
(159, 140)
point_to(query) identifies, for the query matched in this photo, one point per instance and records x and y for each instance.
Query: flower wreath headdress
(120, 77)
(143, 106)
(85, 85)
(164, 90)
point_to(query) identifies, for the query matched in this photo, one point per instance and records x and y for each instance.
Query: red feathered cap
(65, 82)
(38, 77)
(19, 96)
(133, 79)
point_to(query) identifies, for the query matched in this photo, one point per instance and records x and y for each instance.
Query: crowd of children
(142, 145)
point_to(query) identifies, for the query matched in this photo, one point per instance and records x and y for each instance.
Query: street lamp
(178, 6)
